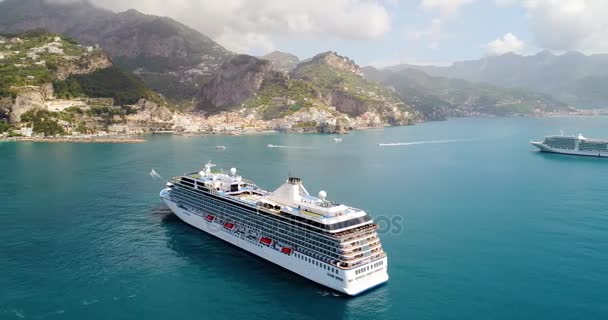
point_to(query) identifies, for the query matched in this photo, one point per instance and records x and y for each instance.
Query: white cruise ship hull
(346, 281)
(545, 148)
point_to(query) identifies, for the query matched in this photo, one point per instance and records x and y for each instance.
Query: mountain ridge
(327, 84)
(438, 98)
(166, 54)
(573, 77)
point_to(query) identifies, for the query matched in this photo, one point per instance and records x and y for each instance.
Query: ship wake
(413, 143)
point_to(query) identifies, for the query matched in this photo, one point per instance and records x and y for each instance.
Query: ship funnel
(294, 181)
(290, 193)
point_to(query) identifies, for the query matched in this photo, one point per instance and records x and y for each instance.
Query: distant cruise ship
(329, 243)
(574, 145)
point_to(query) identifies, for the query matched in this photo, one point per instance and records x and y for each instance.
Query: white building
(26, 132)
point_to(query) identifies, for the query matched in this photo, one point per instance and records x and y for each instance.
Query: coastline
(105, 139)
(139, 137)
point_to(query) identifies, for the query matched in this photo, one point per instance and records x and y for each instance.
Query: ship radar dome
(233, 171)
(322, 195)
(201, 173)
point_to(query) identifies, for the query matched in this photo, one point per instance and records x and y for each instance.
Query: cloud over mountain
(243, 25)
(508, 43)
(569, 24)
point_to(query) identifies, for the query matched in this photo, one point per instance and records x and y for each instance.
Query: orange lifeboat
(209, 218)
(266, 241)
(229, 225)
(286, 250)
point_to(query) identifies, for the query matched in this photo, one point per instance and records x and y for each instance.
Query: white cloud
(569, 24)
(434, 33)
(508, 43)
(446, 8)
(505, 3)
(246, 25)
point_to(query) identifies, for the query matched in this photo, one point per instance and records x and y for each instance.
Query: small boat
(209, 218)
(337, 139)
(271, 146)
(220, 147)
(266, 241)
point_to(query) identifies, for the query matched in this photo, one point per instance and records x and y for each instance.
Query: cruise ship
(573, 145)
(332, 244)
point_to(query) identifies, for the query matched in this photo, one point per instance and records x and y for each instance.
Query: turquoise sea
(476, 223)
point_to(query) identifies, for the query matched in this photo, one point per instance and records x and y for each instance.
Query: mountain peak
(132, 13)
(545, 53)
(334, 60)
(282, 61)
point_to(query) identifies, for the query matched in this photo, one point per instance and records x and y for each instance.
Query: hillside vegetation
(33, 58)
(111, 82)
(334, 83)
(572, 78)
(437, 98)
(170, 57)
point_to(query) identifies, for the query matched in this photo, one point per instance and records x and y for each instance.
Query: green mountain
(573, 78)
(46, 79)
(437, 98)
(169, 56)
(326, 83)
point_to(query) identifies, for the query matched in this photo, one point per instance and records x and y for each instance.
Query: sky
(389, 32)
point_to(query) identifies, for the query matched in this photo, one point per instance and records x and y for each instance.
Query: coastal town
(58, 90)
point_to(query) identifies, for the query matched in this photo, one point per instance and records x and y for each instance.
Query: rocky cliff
(236, 81)
(84, 65)
(328, 87)
(29, 98)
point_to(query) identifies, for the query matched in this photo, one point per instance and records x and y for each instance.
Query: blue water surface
(476, 223)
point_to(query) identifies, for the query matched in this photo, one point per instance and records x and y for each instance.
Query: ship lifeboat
(229, 226)
(266, 241)
(286, 250)
(209, 218)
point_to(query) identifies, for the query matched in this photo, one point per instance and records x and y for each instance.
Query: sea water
(476, 224)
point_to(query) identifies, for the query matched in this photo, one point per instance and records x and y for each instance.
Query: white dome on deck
(322, 195)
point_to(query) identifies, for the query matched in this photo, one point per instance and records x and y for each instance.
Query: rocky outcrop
(347, 104)
(282, 61)
(29, 98)
(6, 106)
(149, 111)
(85, 65)
(237, 80)
(333, 60)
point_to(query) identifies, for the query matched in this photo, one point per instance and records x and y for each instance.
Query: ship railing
(362, 248)
(369, 236)
(343, 234)
(359, 236)
(361, 242)
(358, 254)
(345, 265)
